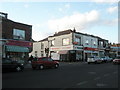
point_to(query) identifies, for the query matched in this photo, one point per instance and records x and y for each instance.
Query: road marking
(92, 72)
(97, 78)
(105, 75)
(81, 83)
(101, 84)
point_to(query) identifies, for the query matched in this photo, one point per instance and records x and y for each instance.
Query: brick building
(16, 39)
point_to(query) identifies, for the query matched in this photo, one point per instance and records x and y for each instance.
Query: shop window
(101, 44)
(87, 42)
(18, 34)
(66, 41)
(78, 40)
(94, 42)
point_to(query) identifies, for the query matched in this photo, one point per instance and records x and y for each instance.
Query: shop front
(63, 52)
(79, 53)
(17, 50)
(88, 52)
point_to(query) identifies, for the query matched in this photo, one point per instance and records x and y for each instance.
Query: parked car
(116, 60)
(43, 62)
(94, 59)
(106, 59)
(10, 65)
(103, 59)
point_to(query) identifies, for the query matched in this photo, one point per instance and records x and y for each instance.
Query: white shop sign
(61, 48)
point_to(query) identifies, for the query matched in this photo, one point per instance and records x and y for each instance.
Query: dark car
(116, 60)
(10, 65)
(43, 62)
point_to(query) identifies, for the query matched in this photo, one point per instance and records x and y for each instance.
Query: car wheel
(95, 62)
(56, 65)
(88, 62)
(18, 68)
(41, 67)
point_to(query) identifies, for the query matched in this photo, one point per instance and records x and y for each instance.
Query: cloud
(110, 22)
(105, 1)
(60, 9)
(38, 31)
(112, 9)
(64, 8)
(67, 5)
(26, 5)
(78, 20)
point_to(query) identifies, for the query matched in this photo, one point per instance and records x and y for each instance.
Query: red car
(43, 62)
(116, 60)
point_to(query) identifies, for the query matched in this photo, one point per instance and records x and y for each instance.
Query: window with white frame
(66, 41)
(86, 42)
(52, 43)
(78, 40)
(94, 42)
(101, 43)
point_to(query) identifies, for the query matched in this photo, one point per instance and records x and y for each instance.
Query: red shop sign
(19, 43)
(91, 49)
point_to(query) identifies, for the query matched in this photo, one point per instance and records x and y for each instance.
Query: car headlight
(22, 64)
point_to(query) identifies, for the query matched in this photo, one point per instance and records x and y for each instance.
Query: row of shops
(74, 53)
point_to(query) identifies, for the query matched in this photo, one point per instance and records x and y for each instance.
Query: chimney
(3, 15)
(74, 30)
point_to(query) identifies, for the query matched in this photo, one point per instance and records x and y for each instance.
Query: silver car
(94, 59)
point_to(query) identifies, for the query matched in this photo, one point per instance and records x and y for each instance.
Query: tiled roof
(71, 31)
(63, 32)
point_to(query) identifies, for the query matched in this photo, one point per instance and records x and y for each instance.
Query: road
(68, 75)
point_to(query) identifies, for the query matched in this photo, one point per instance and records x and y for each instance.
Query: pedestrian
(30, 59)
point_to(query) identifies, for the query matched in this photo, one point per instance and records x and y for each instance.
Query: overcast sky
(97, 17)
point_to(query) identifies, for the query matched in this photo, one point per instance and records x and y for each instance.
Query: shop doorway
(72, 56)
(87, 55)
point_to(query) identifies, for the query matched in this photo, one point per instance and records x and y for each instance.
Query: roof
(63, 32)
(15, 22)
(71, 31)
(46, 39)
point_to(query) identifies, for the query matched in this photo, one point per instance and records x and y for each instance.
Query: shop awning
(63, 52)
(16, 49)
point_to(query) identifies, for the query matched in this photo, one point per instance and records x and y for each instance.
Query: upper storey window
(66, 41)
(18, 34)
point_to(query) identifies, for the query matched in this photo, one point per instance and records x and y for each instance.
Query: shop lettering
(19, 43)
(60, 48)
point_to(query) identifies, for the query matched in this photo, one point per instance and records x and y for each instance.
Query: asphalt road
(68, 75)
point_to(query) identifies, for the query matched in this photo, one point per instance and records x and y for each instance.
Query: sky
(98, 18)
